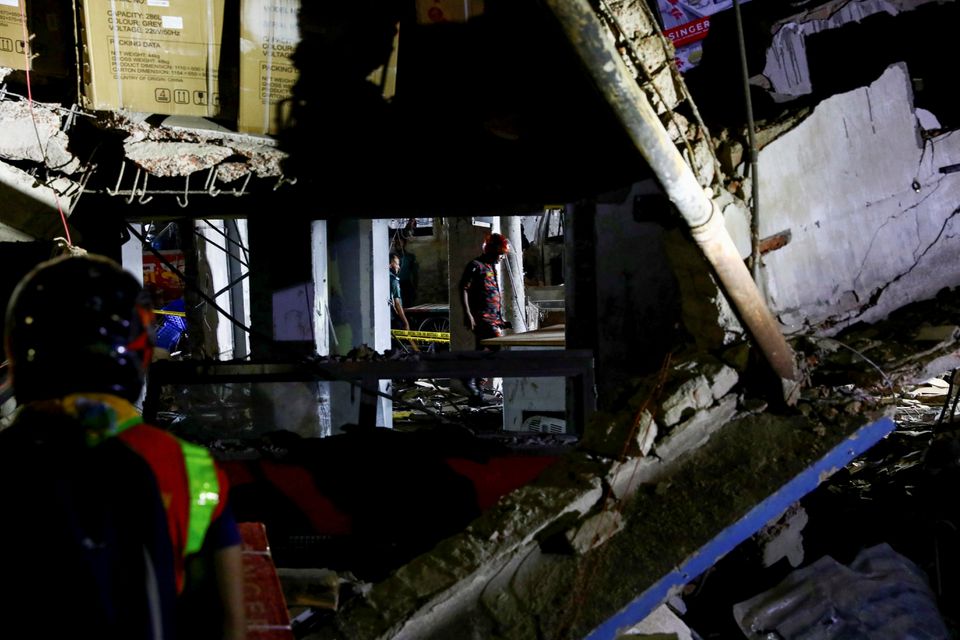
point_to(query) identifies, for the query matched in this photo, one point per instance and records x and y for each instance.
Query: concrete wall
(874, 223)
(431, 253)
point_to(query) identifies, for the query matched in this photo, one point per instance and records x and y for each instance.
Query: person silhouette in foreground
(113, 527)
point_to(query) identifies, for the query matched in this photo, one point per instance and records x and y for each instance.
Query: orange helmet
(496, 243)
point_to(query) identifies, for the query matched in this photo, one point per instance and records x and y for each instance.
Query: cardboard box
(155, 56)
(268, 37)
(11, 34)
(434, 11)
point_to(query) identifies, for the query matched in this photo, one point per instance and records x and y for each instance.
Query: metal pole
(234, 262)
(601, 58)
(752, 138)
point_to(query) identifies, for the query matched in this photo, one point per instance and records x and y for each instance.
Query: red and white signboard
(686, 23)
(164, 284)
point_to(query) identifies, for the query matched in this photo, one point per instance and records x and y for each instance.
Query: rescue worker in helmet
(105, 515)
(482, 303)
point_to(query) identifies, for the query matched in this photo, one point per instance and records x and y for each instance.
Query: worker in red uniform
(482, 302)
(117, 523)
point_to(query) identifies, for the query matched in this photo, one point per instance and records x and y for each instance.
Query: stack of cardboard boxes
(170, 56)
(158, 56)
(164, 56)
(268, 37)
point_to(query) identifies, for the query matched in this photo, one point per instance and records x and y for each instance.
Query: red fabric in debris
(499, 476)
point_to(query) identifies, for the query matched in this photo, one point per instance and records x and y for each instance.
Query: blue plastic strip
(805, 482)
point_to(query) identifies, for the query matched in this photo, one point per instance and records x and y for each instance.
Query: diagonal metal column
(595, 48)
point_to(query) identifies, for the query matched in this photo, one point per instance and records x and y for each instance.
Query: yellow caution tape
(421, 336)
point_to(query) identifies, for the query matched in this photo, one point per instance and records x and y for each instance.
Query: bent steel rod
(620, 89)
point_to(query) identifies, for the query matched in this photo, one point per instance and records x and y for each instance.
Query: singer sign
(686, 23)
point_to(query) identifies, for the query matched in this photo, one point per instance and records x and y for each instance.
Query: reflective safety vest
(189, 481)
(204, 493)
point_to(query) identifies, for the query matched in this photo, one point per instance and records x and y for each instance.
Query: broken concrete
(527, 592)
(695, 385)
(874, 223)
(31, 207)
(10, 234)
(784, 538)
(694, 432)
(32, 132)
(503, 579)
(787, 74)
(174, 158)
(662, 623)
(155, 148)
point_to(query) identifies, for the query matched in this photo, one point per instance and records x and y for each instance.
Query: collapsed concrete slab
(787, 72)
(31, 207)
(32, 132)
(873, 218)
(507, 576)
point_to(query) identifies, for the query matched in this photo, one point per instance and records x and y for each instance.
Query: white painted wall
(359, 291)
(874, 224)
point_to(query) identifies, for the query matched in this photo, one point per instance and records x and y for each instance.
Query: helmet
(496, 243)
(78, 324)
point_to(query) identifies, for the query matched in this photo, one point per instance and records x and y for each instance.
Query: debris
(782, 539)
(881, 595)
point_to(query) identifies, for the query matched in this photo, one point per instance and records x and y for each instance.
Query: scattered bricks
(595, 531)
(697, 430)
(706, 381)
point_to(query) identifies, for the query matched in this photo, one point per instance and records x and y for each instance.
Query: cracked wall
(874, 222)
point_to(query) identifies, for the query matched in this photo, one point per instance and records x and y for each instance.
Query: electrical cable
(239, 245)
(197, 233)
